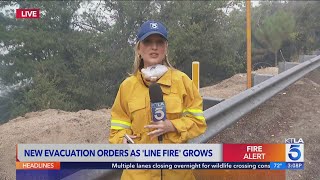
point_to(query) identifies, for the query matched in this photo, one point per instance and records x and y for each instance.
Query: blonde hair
(138, 62)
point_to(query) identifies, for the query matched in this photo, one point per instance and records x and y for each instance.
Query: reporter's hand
(161, 127)
(124, 140)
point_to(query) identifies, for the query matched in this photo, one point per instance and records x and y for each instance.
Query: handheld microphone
(158, 107)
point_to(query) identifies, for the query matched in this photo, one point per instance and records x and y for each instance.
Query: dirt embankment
(49, 127)
(234, 85)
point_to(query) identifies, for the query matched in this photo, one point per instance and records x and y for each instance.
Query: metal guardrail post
(196, 73)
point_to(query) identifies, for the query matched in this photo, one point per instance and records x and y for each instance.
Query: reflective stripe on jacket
(131, 112)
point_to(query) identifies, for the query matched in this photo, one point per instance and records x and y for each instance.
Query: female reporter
(131, 113)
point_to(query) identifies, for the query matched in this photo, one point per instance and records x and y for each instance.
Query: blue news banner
(184, 165)
(166, 165)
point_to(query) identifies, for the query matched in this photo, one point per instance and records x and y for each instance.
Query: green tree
(38, 64)
(200, 30)
(274, 30)
(65, 62)
(307, 35)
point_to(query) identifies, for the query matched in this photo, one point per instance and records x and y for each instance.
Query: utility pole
(248, 17)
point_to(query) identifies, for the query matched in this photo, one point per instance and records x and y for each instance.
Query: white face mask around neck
(153, 73)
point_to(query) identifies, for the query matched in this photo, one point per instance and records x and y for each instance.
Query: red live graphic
(27, 13)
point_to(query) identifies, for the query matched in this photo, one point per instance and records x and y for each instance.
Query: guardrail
(228, 111)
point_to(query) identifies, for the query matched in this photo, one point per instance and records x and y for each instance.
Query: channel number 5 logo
(159, 115)
(294, 152)
(158, 111)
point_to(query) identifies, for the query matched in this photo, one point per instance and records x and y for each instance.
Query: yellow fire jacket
(131, 112)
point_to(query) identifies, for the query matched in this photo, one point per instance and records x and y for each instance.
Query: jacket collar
(166, 78)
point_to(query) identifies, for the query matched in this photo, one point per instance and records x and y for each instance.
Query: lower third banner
(146, 165)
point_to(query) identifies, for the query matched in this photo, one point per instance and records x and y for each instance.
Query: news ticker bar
(159, 165)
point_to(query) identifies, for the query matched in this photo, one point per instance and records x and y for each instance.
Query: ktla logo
(28, 13)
